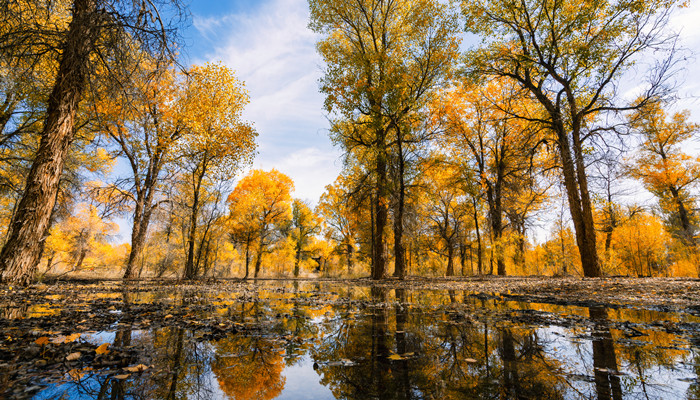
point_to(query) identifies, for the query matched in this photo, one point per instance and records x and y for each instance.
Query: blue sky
(270, 48)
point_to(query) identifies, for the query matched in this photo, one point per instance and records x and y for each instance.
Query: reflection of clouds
(273, 51)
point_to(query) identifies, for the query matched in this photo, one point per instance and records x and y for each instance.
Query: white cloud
(310, 168)
(273, 52)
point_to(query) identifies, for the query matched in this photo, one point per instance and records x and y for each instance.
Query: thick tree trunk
(381, 214)
(493, 196)
(189, 264)
(349, 256)
(450, 260)
(297, 260)
(479, 250)
(81, 257)
(686, 230)
(399, 253)
(22, 251)
(247, 259)
(190, 271)
(579, 203)
(138, 239)
(258, 259)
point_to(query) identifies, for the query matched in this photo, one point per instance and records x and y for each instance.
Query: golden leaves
(102, 349)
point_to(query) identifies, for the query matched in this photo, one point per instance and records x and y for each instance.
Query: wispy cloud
(273, 51)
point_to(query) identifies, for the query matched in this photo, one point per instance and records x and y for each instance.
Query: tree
(446, 211)
(570, 58)
(220, 143)
(482, 136)
(665, 170)
(78, 235)
(384, 58)
(303, 226)
(260, 204)
(96, 32)
(338, 218)
(144, 126)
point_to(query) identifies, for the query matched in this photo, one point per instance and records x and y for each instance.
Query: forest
(515, 213)
(463, 126)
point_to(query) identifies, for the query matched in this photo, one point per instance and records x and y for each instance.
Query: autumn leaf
(102, 349)
(42, 341)
(136, 368)
(73, 356)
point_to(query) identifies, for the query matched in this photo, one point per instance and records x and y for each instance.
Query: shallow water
(325, 341)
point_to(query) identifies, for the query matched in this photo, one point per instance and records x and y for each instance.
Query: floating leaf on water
(123, 376)
(396, 357)
(73, 356)
(136, 368)
(102, 349)
(470, 360)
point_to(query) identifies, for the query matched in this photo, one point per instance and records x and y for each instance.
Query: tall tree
(261, 203)
(570, 57)
(383, 59)
(665, 169)
(482, 136)
(340, 224)
(304, 225)
(220, 142)
(97, 31)
(144, 125)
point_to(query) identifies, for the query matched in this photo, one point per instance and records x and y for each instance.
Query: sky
(268, 45)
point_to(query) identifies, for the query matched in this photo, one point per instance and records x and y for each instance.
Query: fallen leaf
(123, 376)
(395, 357)
(42, 341)
(470, 360)
(102, 349)
(73, 356)
(136, 368)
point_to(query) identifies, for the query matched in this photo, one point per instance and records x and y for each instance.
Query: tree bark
(479, 252)
(297, 259)
(349, 256)
(381, 214)
(190, 271)
(399, 253)
(450, 259)
(22, 251)
(578, 196)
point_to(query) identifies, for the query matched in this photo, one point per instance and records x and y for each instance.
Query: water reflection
(325, 341)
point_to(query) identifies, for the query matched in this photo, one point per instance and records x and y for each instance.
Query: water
(325, 341)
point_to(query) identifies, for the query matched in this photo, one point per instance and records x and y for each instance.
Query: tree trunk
(258, 259)
(399, 253)
(190, 272)
(381, 214)
(247, 259)
(450, 260)
(349, 260)
(26, 233)
(81, 257)
(576, 186)
(138, 240)
(686, 231)
(297, 259)
(479, 252)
